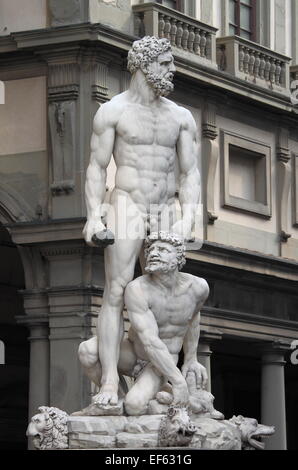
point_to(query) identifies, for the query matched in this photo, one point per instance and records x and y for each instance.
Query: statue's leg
(144, 390)
(120, 260)
(88, 356)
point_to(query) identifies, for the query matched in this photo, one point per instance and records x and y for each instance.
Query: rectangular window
(242, 18)
(175, 4)
(246, 175)
(185, 6)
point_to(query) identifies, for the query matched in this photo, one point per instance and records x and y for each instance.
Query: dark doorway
(236, 379)
(14, 373)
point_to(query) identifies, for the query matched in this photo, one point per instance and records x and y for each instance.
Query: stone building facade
(236, 61)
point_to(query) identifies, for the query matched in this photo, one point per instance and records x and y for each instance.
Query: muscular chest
(172, 310)
(142, 125)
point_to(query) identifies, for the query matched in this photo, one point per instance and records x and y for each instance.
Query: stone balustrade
(190, 38)
(254, 63)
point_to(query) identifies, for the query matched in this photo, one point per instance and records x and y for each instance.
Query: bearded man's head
(154, 58)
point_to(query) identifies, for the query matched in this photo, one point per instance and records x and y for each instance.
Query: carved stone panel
(211, 154)
(62, 126)
(284, 181)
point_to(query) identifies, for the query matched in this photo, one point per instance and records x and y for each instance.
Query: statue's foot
(108, 395)
(216, 414)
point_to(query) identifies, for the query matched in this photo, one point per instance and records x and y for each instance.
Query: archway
(14, 373)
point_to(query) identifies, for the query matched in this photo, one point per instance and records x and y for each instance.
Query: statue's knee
(134, 404)
(87, 354)
(116, 293)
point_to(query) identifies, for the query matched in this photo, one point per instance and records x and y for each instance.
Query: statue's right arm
(102, 144)
(143, 322)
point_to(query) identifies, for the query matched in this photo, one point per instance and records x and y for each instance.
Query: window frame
(237, 24)
(237, 203)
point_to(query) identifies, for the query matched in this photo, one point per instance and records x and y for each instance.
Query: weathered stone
(220, 435)
(101, 424)
(66, 12)
(90, 441)
(136, 441)
(147, 424)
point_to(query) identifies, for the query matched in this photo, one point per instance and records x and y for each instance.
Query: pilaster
(283, 183)
(74, 299)
(210, 157)
(77, 84)
(64, 284)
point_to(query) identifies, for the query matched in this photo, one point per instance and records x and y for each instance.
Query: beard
(161, 85)
(159, 267)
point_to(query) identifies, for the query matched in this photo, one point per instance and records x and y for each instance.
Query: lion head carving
(49, 428)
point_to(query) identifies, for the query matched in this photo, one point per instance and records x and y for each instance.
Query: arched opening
(14, 373)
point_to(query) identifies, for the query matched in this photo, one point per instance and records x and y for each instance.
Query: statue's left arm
(190, 183)
(191, 339)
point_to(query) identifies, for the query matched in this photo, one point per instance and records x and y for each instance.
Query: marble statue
(166, 405)
(52, 428)
(146, 133)
(164, 312)
(48, 429)
(176, 429)
(252, 432)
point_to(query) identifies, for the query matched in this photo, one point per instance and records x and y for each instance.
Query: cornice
(47, 40)
(264, 268)
(248, 318)
(32, 233)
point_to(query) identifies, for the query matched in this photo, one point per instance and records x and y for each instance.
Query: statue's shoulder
(183, 115)
(136, 293)
(138, 284)
(201, 287)
(109, 112)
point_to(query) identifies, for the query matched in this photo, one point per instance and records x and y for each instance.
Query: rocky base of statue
(53, 429)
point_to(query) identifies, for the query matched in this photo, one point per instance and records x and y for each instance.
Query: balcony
(190, 39)
(254, 63)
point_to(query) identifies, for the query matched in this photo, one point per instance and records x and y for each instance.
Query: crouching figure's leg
(147, 385)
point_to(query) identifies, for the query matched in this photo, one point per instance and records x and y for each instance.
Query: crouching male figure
(164, 312)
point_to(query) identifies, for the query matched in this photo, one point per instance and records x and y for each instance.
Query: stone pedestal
(137, 432)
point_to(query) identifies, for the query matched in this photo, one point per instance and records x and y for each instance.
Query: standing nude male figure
(145, 132)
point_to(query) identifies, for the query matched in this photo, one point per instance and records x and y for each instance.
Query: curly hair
(170, 238)
(145, 51)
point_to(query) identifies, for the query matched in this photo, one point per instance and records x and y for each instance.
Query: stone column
(37, 322)
(204, 357)
(273, 405)
(205, 352)
(35, 303)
